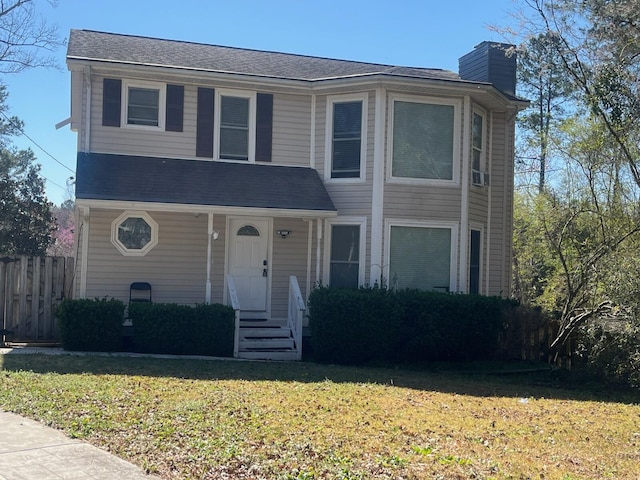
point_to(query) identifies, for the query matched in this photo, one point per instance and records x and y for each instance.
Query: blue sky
(402, 32)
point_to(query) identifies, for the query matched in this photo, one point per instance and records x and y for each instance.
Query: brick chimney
(491, 62)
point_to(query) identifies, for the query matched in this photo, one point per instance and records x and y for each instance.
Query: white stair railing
(232, 298)
(296, 314)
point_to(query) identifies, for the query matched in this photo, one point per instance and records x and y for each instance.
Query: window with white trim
(144, 104)
(422, 256)
(477, 149)
(346, 137)
(235, 125)
(425, 137)
(344, 253)
(134, 233)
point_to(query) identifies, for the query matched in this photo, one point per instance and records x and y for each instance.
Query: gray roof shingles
(136, 50)
(198, 182)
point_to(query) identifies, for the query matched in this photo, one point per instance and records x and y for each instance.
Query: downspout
(312, 134)
(377, 197)
(209, 258)
(464, 198)
(86, 144)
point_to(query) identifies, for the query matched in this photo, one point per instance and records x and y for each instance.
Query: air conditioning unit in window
(479, 178)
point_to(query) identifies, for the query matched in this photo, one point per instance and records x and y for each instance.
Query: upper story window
(235, 114)
(425, 138)
(478, 175)
(234, 128)
(145, 105)
(346, 137)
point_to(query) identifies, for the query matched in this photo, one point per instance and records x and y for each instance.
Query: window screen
(420, 258)
(345, 256)
(423, 140)
(346, 145)
(234, 128)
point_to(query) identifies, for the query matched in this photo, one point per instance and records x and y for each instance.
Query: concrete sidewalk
(31, 451)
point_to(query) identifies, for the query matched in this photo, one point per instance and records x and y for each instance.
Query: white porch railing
(232, 296)
(296, 314)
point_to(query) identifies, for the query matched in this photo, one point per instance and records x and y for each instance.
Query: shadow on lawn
(482, 380)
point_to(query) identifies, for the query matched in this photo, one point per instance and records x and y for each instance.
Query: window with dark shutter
(204, 127)
(264, 126)
(175, 108)
(111, 102)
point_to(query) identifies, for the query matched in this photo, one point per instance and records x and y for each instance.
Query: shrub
(610, 352)
(181, 329)
(92, 325)
(376, 324)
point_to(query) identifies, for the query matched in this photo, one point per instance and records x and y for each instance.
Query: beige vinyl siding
(414, 202)
(290, 258)
(501, 188)
(291, 128)
(143, 141)
(176, 267)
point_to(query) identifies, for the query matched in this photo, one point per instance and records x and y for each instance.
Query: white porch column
(84, 232)
(309, 249)
(318, 250)
(209, 258)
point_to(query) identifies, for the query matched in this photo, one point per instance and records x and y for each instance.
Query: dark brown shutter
(111, 94)
(175, 108)
(264, 127)
(204, 128)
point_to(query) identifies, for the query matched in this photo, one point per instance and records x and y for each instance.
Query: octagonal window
(134, 233)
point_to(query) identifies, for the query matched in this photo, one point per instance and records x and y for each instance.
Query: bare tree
(27, 40)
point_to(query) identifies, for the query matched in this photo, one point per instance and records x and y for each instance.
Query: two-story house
(203, 167)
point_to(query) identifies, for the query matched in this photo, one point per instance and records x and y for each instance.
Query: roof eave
(202, 209)
(457, 86)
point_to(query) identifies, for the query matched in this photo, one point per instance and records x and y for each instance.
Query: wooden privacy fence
(30, 290)
(529, 337)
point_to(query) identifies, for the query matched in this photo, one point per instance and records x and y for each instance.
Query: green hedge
(180, 329)
(91, 325)
(379, 325)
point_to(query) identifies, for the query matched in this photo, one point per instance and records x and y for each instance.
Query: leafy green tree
(542, 80)
(26, 222)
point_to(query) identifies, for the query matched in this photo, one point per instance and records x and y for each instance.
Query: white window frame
(482, 172)
(353, 221)
(457, 119)
(398, 222)
(162, 100)
(328, 143)
(134, 252)
(251, 96)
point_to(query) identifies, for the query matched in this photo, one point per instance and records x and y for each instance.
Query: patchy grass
(190, 419)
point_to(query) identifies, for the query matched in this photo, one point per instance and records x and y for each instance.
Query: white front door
(249, 263)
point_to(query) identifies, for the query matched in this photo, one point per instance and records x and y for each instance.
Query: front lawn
(196, 419)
